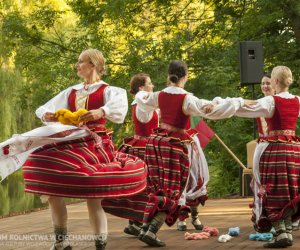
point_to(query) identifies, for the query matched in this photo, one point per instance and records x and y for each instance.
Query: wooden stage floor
(34, 231)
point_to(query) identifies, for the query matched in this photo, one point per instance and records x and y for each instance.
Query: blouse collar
(175, 90)
(285, 94)
(81, 85)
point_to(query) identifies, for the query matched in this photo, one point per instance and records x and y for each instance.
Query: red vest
(144, 129)
(94, 101)
(170, 106)
(285, 115)
(261, 132)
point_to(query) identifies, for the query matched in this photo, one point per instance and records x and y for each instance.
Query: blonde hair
(283, 74)
(97, 59)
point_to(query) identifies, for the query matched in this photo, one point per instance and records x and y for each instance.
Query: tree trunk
(295, 21)
(292, 10)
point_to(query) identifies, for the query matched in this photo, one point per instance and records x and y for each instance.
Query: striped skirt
(168, 168)
(279, 169)
(83, 169)
(134, 146)
(130, 207)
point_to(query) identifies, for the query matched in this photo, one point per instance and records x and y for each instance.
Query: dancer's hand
(249, 103)
(208, 108)
(92, 115)
(49, 117)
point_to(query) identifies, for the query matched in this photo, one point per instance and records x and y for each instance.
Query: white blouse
(115, 101)
(264, 107)
(192, 105)
(144, 116)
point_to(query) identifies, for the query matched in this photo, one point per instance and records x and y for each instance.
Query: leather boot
(133, 228)
(144, 229)
(181, 225)
(195, 219)
(100, 244)
(61, 239)
(150, 237)
(282, 243)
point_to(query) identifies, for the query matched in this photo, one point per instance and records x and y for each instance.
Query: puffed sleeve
(147, 101)
(264, 107)
(57, 102)
(116, 104)
(226, 108)
(145, 108)
(142, 116)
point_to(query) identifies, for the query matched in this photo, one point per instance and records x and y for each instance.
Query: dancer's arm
(147, 101)
(60, 101)
(194, 106)
(264, 107)
(116, 104)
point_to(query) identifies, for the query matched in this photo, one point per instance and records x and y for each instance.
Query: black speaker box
(251, 62)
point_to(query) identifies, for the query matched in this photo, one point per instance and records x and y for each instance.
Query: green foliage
(14, 199)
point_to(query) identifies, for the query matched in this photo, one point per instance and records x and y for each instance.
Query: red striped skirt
(168, 169)
(131, 207)
(134, 146)
(279, 169)
(82, 169)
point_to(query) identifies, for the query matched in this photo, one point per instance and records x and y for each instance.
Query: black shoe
(141, 235)
(143, 231)
(100, 245)
(132, 230)
(198, 226)
(153, 241)
(181, 226)
(282, 243)
(290, 242)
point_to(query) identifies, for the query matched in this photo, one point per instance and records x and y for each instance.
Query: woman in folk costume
(144, 123)
(175, 160)
(267, 90)
(276, 167)
(86, 167)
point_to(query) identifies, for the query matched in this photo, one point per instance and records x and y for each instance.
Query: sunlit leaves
(42, 40)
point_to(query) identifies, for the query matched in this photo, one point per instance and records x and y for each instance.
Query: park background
(40, 42)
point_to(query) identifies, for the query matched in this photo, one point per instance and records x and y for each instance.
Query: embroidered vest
(94, 100)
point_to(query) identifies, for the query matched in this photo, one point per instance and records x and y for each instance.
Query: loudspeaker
(251, 62)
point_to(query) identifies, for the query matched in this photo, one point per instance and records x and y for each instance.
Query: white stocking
(58, 211)
(97, 218)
